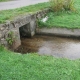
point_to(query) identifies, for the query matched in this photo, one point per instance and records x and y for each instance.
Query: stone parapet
(24, 25)
(59, 32)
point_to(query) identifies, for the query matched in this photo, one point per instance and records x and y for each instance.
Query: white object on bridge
(45, 19)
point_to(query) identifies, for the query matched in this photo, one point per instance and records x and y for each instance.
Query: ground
(15, 66)
(12, 4)
(65, 19)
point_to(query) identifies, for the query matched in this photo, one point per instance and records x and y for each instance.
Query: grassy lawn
(3, 0)
(64, 19)
(10, 14)
(34, 67)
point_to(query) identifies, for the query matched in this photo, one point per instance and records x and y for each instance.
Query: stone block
(24, 25)
(17, 41)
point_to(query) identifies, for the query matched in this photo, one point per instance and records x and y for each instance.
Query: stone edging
(59, 31)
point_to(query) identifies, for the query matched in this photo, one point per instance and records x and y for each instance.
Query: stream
(51, 45)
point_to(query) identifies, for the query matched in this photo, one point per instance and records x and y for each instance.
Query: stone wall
(25, 25)
(59, 32)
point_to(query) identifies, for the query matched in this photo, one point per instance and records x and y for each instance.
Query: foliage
(2, 47)
(61, 5)
(10, 38)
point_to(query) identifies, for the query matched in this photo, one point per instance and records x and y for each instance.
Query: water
(51, 45)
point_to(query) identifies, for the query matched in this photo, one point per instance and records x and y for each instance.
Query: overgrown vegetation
(62, 5)
(66, 19)
(14, 66)
(11, 14)
(11, 38)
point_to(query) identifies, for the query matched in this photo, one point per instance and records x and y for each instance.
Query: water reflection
(51, 45)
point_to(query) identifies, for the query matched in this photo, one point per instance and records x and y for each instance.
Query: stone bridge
(25, 25)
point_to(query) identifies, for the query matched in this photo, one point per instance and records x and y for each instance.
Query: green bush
(62, 5)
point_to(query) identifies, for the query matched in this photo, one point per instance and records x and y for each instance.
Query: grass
(11, 14)
(64, 19)
(3, 0)
(15, 66)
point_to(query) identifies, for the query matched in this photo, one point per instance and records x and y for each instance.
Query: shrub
(62, 5)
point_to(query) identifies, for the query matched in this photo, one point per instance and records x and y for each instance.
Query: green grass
(15, 66)
(64, 19)
(11, 14)
(3, 0)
